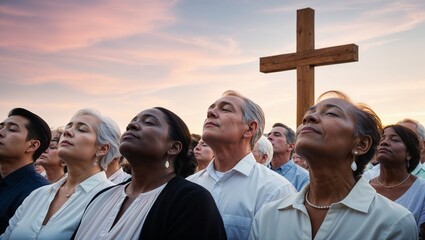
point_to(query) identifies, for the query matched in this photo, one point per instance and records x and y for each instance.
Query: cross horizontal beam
(313, 57)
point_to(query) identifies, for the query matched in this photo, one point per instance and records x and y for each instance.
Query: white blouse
(100, 215)
(28, 218)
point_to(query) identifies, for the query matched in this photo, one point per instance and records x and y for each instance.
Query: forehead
(15, 119)
(87, 119)
(278, 129)
(152, 112)
(344, 105)
(235, 101)
(389, 131)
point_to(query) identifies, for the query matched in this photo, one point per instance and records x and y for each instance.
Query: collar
(359, 198)
(14, 177)
(87, 185)
(244, 166)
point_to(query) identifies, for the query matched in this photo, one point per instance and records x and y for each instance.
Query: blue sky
(122, 57)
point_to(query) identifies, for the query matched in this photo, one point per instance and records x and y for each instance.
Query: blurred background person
(399, 153)
(54, 166)
(88, 144)
(203, 155)
(38, 168)
(299, 161)
(115, 173)
(263, 151)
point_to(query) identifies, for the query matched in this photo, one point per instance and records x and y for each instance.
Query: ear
(362, 145)
(252, 128)
(291, 147)
(33, 145)
(102, 150)
(263, 158)
(174, 148)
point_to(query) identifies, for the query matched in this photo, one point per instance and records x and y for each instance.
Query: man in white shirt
(240, 186)
(115, 173)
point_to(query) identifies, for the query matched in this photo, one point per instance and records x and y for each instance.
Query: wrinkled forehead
(334, 102)
(86, 119)
(234, 101)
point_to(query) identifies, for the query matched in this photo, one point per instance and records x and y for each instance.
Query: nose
(310, 118)
(67, 132)
(211, 113)
(383, 142)
(132, 125)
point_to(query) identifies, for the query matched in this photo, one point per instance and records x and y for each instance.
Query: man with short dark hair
(24, 136)
(282, 138)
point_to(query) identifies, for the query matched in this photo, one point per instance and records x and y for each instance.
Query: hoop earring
(353, 164)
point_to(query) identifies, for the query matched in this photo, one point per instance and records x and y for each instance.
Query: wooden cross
(306, 58)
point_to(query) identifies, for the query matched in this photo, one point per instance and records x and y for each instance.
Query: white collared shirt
(28, 218)
(241, 192)
(363, 214)
(119, 176)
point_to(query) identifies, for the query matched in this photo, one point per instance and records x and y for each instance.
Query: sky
(122, 57)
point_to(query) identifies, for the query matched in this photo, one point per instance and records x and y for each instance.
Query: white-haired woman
(89, 142)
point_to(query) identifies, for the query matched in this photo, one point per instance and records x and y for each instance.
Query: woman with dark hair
(337, 139)
(157, 203)
(399, 153)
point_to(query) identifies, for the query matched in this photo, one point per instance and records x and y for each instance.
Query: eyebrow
(9, 124)
(77, 124)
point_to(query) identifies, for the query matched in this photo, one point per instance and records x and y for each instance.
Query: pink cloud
(57, 25)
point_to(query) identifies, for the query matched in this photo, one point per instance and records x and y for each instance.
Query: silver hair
(251, 112)
(265, 147)
(108, 133)
(419, 127)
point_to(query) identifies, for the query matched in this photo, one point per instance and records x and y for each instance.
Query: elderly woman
(90, 141)
(53, 165)
(399, 153)
(158, 203)
(203, 154)
(337, 139)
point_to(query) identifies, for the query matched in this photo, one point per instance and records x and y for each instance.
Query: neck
(330, 185)
(226, 160)
(202, 165)
(279, 160)
(390, 175)
(54, 174)
(145, 179)
(8, 167)
(78, 174)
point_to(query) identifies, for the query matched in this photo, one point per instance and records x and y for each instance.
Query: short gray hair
(251, 112)
(419, 127)
(108, 133)
(265, 147)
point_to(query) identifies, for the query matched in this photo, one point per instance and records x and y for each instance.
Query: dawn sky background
(122, 57)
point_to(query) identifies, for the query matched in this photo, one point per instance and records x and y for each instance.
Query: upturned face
(279, 142)
(328, 129)
(78, 141)
(391, 148)
(147, 136)
(50, 157)
(224, 123)
(203, 152)
(13, 137)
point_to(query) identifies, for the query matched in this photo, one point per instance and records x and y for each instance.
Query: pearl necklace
(315, 206)
(393, 186)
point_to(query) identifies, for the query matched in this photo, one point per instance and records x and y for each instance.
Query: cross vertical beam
(306, 58)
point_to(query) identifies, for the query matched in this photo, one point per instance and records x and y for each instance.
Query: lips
(66, 143)
(384, 150)
(210, 124)
(128, 135)
(308, 129)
